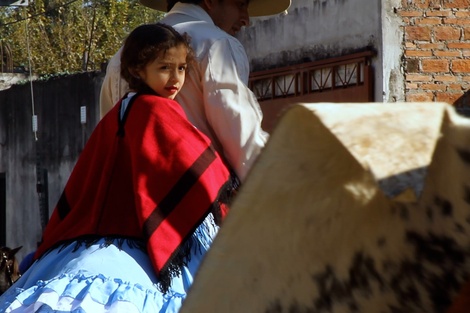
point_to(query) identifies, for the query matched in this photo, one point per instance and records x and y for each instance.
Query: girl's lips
(172, 89)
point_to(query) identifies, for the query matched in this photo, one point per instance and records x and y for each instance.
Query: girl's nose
(175, 76)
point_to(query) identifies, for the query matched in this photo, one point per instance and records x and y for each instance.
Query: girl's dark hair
(143, 45)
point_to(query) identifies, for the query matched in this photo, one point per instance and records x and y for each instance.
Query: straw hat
(255, 8)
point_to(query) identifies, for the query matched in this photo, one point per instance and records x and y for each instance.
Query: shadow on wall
(462, 105)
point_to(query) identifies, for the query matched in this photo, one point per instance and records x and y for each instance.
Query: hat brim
(255, 8)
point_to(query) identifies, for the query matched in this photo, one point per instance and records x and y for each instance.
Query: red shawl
(151, 176)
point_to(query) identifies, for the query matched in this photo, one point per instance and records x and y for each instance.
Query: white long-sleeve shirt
(215, 95)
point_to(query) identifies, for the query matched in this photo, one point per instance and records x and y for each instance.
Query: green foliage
(69, 35)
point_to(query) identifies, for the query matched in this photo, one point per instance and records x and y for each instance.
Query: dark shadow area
(395, 185)
(462, 105)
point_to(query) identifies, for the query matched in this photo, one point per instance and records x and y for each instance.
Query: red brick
(461, 66)
(455, 87)
(446, 33)
(418, 53)
(417, 33)
(453, 53)
(423, 4)
(466, 33)
(410, 13)
(433, 86)
(448, 97)
(411, 86)
(432, 66)
(462, 14)
(441, 13)
(439, 45)
(444, 78)
(420, 97)
(428, 21)
(456, 4)
(456, 21)
(458, 45)
(416, 3)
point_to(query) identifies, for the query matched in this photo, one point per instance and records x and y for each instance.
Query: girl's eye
(182, 68)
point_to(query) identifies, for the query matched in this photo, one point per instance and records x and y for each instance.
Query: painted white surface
(9, 79)
(393, 77)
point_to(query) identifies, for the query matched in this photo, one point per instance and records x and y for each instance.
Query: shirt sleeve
(231, 108)
(113, 87)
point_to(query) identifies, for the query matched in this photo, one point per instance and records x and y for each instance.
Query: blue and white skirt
(103, 278)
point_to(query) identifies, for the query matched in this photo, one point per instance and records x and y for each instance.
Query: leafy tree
(67, 36)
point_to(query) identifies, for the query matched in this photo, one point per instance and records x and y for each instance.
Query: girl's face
(166, 74)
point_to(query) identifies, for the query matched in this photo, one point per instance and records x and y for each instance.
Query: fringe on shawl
(182, 255)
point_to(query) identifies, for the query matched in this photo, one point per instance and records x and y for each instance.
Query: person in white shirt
(215, 97)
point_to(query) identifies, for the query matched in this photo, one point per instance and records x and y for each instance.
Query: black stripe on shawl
(63, 207)
(181, 188)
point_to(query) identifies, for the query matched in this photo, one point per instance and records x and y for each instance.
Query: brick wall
(437, 50)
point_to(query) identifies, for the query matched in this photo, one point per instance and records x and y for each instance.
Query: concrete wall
(315, 30)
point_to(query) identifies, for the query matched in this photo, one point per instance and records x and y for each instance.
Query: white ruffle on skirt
(102, 279)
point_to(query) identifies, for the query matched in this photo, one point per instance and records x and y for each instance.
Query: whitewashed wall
(393, 79)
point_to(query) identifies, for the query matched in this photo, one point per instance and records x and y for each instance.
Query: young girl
(141, 206)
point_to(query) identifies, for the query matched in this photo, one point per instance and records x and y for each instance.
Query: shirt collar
(192, 10)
